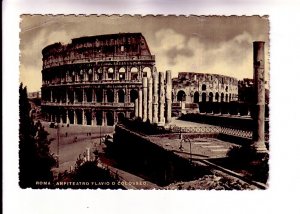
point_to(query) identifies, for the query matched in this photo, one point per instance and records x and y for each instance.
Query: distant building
(36, 94)
(193, 88)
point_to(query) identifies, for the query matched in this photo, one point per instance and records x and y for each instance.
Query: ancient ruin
(95, 80)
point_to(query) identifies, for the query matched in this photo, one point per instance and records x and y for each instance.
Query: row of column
(154, 103)
(100, 74)
(104, 96)
(74, 116)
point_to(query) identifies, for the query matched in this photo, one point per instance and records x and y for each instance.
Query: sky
(205, 44)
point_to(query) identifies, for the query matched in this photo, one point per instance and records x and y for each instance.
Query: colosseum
(94, 80)
(192, 88)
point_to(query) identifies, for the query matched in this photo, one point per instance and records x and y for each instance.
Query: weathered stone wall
(94, 80)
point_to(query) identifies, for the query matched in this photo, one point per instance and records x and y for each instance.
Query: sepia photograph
(135, 102)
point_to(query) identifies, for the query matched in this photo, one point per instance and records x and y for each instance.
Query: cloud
(221, 45)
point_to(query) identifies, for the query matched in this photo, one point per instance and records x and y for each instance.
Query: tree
(35, 161)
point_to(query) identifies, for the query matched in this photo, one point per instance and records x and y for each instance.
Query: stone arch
(134, 73)
(88, 116)
(181, 96)
(110, 73)
(210, 97)
(99, 118)
(110, 96)
(217, 97)
(79, 116)
(222, 97)
(110, 118)
(203, 97)
(89, 95)
(81, 75)
(196, 97)
(121, 116)
(73, 76)
(71, 116)
(122, 73)
(99, 74)
(90, 75)
(133, 95)
(203, 87)
(121, 96)
(147, 72)
(99, 95)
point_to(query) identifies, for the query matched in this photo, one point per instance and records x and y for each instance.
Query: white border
(285, 178)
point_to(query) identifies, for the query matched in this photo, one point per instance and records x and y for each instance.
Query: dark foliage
(254, 164)
(35, 161)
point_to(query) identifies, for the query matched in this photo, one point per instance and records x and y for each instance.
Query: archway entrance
(181, 96)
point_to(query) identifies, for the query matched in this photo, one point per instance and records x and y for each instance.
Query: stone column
(75, 98)
(60, 118)
(161, 100)
(83, 117)
(150, 97)
(145, 98)
(93, 95)
(116, 97)
(75, 117)
(136, 107)
(104, 95)
(94, 119)
(155, 98)
(140, 103)
(104, 118)
(51, 95)
(67, 96)
(67, 117)
(259, 97)
(168, 97)
(83, 95)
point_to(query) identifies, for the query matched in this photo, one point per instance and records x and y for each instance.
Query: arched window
(121, 117)
(110, 74)
(109, 118)
(146, 72)
(122, 74)
(121, 96)
(181, 95)
(134, 73)
(226, 98)
(222, 97)
(211, 96)
(133, 95)
(204, 97)
(88, 116)
(196, 97)
(217, 97)
(203, 87)
(90, 75)
(110, 96)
